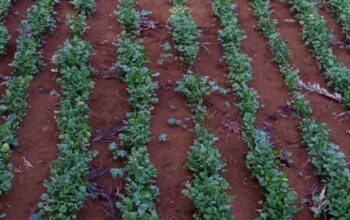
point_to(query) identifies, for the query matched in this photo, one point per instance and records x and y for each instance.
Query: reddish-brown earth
(233, 150)
(339, 36)
(16, 13)
(108, 106)
(38, 135)
(273, 94)
(325, 110)
(170, 157)
(108, 100)
(12, 22)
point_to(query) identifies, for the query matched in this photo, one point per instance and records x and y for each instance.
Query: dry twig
(316, 88)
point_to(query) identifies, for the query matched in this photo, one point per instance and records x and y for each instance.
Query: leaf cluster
(128, 17)
(331, 165)
(4, 39)
(84, 7)
(207, 190)
(77, 25)
(39, 19)
(4, 35)
(4, 8)
(185, 34)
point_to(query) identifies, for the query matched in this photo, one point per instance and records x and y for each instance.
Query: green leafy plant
(341, 10)
(130, 53)
(4, 8)
(4, 39)
(76, 25)
(39, 19)
(163, 137)
(331, 165)
(185, 34)
(166, 53)
(27, 62)
(128, 17)
(67, 187)
(301, 106)
(325, 155)
(261, 160)
(117, 153)
(85, 7)
(207, 189)
(318, 38)
(194, 88)
(4, 35)
(138, 201)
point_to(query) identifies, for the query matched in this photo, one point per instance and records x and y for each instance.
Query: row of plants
(140, 173)
(185, 33)
(66, 186)
(4, 34)
(207, 190)
(341, 10)
(318, 38)
(262, 159)
(329, 161)
(27, 62)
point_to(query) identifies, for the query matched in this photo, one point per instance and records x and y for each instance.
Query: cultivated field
(174, 109)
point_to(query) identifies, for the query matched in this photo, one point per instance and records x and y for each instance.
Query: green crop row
(329, 161)
(27, 62)
(318, 38)
(141, 191)
(341, 10)
(208, 189)
(280, 199)
(84, 7)
(4, 34)
(185, 33)
(67, 187)
(4, 8)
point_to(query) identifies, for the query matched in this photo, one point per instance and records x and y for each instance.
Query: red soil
(16, 14)
(170, 157)
(108, 106)
(273, 94)
(339, 36)
(324, 109)
(233, 150)
(38, 135)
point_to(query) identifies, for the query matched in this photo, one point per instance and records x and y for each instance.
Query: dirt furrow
(13, 20)
(168, 157)
(325, 109)
(339, 36)
(38, 135)
(273, 98)
(108, 101)
(223, 108)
